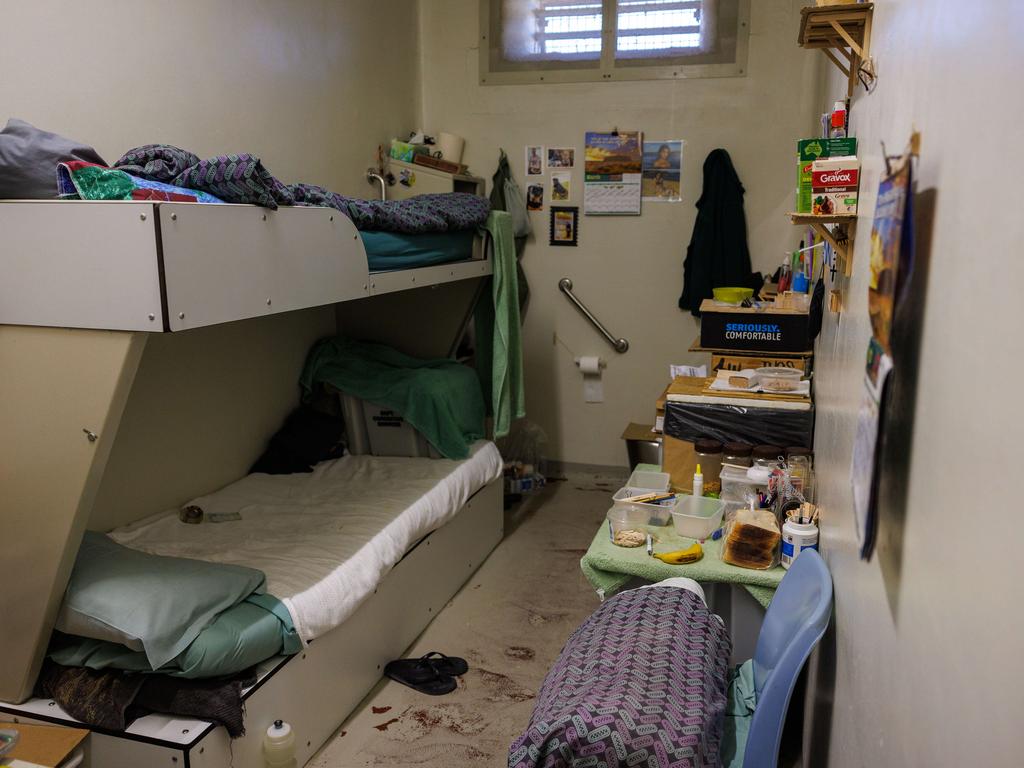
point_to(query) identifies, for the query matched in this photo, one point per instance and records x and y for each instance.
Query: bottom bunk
(444, 520)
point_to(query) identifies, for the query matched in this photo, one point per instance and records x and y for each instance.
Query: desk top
(609, 567)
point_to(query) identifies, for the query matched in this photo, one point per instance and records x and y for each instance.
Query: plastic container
(697, 517)
(627, 525)
(737, 454)
(650, 481)
(738, 488)
(371, 429)
(779, 379)
(796, 537)
(708, 454)
(279, 746)
(657, 514)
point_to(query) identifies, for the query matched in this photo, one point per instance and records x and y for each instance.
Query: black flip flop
(420, 675)
(446, 665)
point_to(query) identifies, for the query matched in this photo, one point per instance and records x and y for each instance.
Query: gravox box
(760, 330)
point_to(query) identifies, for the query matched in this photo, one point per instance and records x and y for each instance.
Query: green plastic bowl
(732, 295)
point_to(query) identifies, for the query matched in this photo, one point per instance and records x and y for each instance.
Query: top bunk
(168, 266)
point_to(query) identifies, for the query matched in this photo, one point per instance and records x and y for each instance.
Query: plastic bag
(752, 540)
(516, 206)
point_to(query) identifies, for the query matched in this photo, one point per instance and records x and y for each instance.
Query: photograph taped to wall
(561, 157)
(662, 164)
(561, 186)
(535, 161)
(661, 186)
(564, 225)
(535, 197)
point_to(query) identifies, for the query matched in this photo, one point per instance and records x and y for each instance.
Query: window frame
(607, 69)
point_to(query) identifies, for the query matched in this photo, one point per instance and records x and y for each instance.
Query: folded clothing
(240, 637)
(243, 178)
(29, 158)
(441, 398)
(157, 605)
(113, 700)
(397, 250)
(308, 437)
(87, 181)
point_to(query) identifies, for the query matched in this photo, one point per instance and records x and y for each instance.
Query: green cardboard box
(809, 150)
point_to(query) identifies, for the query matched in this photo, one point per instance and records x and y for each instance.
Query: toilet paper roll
(593, 389)
(450, 146)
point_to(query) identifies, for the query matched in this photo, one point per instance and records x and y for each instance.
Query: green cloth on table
(440, 398)
(609, 567)
(739, 711)
(499, 348)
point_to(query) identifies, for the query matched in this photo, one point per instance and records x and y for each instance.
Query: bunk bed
(118, 317)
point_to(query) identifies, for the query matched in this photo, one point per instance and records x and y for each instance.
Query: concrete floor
(509, 622)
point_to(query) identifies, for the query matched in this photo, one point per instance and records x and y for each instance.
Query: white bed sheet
(323, 539)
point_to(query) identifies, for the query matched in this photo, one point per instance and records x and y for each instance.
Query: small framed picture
(564, 224)
(561, 157)
(535, 197)
(535, 161)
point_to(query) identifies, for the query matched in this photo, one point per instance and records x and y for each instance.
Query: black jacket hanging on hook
(717, 255)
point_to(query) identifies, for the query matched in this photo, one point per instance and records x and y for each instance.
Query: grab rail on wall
(565, 286)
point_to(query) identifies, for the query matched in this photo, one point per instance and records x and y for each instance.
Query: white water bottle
(279, 746)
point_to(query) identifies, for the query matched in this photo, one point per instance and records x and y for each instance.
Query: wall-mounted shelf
(840, 237)
(839, 29)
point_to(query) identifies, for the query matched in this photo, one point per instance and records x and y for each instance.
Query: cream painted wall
(627, 270)
(929, 675)
(303, 84)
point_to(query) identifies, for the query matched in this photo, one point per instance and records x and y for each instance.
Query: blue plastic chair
(794, 623)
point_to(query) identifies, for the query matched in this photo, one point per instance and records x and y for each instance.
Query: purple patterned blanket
(244, 179)
(642, 682)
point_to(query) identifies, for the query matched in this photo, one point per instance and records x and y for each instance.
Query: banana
(681, 556)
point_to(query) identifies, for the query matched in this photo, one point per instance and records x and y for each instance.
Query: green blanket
(440, 398)
(499, 352)
(609, 568)
(739, 712)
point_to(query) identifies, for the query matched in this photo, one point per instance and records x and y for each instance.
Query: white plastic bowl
(697, 517)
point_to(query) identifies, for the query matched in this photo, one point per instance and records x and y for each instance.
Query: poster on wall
(535, 161)
(535, 197)
(561, 186)
(891, 264)
(613, 165)
(662, 168)
(561, 157)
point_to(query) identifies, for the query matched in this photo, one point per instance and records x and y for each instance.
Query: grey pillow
(148, 602)
(29, 157)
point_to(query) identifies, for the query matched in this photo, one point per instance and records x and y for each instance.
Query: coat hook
(90, 434)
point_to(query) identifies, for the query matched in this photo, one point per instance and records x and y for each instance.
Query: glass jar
(737, 454)
(766, 455)
(708, 453)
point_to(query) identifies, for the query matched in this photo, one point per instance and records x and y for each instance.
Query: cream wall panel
(627, 270)
(310, 86)
(62, 393)
(923, 669)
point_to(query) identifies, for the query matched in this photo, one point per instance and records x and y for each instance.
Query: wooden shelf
(840, 238)
(843, 32)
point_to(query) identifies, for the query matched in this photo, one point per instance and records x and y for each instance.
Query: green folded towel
(440, 398)
(609, 567)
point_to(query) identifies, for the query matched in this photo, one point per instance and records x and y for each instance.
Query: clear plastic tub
(779, 379)
(627, 525)
(697, 517)
(651, 481)
(657, 514)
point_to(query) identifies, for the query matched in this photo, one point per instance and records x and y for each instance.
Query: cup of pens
(799, 532)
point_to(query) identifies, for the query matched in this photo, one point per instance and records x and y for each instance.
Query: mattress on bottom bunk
(324, 539)
(397, 250)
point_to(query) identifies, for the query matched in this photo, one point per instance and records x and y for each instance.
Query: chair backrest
(793, 625)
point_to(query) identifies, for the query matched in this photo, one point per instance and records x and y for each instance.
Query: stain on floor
(509, 624)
